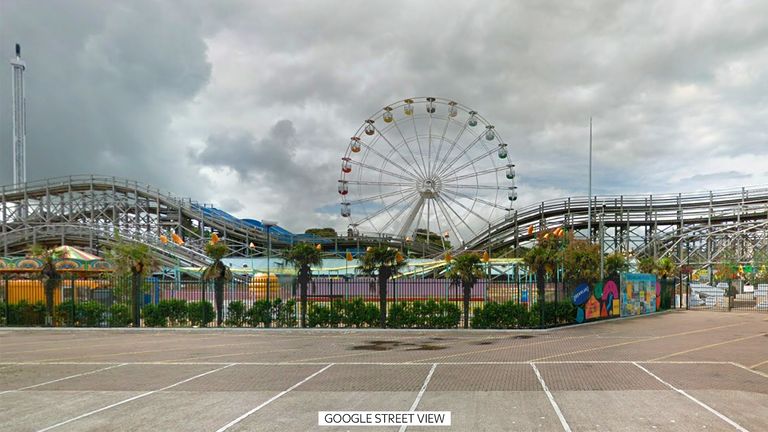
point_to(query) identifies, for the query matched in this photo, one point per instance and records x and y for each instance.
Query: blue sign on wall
(581, 295)
(524, 296)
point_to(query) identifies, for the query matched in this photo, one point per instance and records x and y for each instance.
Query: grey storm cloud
(250, 104)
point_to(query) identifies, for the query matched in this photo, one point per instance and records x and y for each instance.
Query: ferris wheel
(426, 167)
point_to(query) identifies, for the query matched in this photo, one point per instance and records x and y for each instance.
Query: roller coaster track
(87, 211)
(696, 228)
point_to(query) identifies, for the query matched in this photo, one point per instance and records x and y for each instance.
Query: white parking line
(756, 372)
(214, 363)
(90, 413)
(421, 393)
(700, 403)
(272, 399)
(62, 379)
(551, 398)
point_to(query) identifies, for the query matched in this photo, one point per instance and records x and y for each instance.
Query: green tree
(581, 262)
(615, 263)
(136, 260)
(384, 262)
(646, 265)
(50, 276)
(543, 259)
(218, 273)
(303, 256)
(466, 269)
(665, 268)
(322, 232)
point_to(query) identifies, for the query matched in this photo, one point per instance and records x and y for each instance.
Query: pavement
(677, 371)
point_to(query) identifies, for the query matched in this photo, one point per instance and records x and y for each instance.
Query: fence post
(7, 302)
(73, 309)
(204, 285)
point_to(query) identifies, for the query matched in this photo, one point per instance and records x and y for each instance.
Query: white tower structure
(19, 120)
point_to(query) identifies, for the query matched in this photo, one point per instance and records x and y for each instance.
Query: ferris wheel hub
(430, 187)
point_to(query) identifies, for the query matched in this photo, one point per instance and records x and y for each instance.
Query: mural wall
(627, 295)
(640, 294)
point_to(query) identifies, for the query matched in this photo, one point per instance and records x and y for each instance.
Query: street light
(268, 225)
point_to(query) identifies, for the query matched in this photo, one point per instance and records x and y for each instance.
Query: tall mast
(19, 120)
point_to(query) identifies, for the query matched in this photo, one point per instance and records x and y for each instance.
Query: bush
(236, 314)
(429, 314)
(285, 313)
(506, 315)
(119, 315)
(277, 313)
(358, 313)
(3, 318)
(195, 311)
(554, 314)
(175, 310)
(24, 313)
(319, 315)
(90, 313)
(153, 317)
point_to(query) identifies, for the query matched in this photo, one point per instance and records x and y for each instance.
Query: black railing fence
(331, 302)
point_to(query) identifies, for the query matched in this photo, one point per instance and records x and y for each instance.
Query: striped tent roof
(75, 253)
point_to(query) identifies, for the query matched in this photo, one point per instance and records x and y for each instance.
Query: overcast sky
(250, 105)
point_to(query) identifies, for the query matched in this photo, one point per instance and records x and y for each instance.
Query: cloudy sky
(249, 105)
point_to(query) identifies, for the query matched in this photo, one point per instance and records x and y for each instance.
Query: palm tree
(466, 269)
(542, 259)
(218, 273)
(647, 265)
(385, 263)
(303, 256)
(51, 277)
(615, 264)
(136, 260)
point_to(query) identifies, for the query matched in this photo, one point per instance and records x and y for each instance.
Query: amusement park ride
(429, 175)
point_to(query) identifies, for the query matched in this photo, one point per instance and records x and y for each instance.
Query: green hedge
(513, 315)
(350, 313)
(423, 314)
(276, 313)
(24, 313)
(86, 314)
(197, 310)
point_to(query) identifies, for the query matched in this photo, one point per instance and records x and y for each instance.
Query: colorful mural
(639, 293)
(598, 301)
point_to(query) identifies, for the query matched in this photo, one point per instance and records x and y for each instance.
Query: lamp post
(589, 205)
(268, 225)
(252, 248)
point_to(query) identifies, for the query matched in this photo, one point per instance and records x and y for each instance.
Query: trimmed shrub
(284, 313)
(153, 317)
(24, 313)
(428, 314)
(258, 313)
(320, 315)
(236, 314)
(507, 315)
(119, 315)
(175, 310)
(357, 313)
(196, 310)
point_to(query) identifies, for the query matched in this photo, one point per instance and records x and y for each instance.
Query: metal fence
(107, 301)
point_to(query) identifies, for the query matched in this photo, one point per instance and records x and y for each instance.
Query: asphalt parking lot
(678, 371)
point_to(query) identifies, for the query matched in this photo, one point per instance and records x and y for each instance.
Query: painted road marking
(700, 403)
(749, 369)
(551, 398)
(707, 346)
(62, 379)
(272, 399)
(90, 413)
(636, 341)
(421, 393)
(293, 363)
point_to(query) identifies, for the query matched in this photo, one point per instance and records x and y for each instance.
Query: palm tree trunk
(50, 287)
(135, 298)
(467, 293)
(218, 293)
(303, 287)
